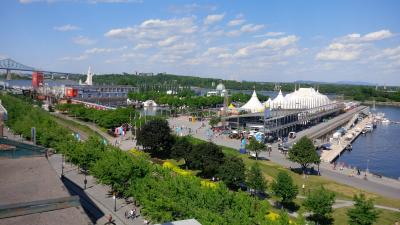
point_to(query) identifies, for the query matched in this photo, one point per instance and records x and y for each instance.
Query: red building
(37, 79)
(71, 92)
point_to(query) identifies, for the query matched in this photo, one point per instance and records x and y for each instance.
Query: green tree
(320, 202)
(214, 121)
(255, 179)
(256, 146)
(206, 157)
(155, 137)
(304, 153)
(284, 188)
(363, 212)
(232, 172)
(181, 148)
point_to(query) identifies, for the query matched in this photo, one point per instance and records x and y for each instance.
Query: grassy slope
(271, 169)
(386, 217)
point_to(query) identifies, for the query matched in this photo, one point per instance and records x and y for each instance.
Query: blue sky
(240, 40)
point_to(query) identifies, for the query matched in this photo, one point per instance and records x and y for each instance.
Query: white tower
(89, 78)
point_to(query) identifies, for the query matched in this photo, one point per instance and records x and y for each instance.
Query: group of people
(131, 214)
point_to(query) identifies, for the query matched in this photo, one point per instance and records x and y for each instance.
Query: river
(379, 150)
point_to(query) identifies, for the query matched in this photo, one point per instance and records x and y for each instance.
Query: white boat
(380, 116)
(368, 128)
(385, 121)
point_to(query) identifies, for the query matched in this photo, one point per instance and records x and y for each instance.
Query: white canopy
(253, 105)
(268, 103)
(303, 98)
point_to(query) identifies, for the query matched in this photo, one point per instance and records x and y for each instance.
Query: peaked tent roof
(253, 105)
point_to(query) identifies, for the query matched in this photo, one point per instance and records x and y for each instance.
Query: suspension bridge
(11, 65)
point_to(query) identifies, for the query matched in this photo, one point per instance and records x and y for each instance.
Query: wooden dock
(340, 145)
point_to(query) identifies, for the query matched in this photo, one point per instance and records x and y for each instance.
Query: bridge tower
(8, 77)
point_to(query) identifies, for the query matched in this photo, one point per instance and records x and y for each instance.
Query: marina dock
(340, 145)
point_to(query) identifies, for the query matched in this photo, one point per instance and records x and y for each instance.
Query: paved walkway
(384, 186)
(124, 143)
(98, 193)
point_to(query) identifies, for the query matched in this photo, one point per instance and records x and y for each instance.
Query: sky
(277, 41)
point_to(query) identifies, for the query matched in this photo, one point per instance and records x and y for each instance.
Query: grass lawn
(76, 126)
(385, 217)
(342, 191)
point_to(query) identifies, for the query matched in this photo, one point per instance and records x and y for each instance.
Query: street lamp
(85, 180)
(115, 202)
(62, 165)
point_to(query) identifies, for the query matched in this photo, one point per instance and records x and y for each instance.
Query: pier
(326, 127)
(340, 145)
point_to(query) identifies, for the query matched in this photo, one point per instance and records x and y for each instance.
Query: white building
(89, 78)
(303, 98)
(219, 91)
(253, 105)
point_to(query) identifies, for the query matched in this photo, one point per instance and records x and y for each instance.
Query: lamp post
(115, 202)
(62, 165)
(85, 180)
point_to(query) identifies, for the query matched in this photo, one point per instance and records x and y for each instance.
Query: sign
(267, 113)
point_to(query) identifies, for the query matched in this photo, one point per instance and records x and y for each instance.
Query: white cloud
(143, 46)
(67, 27)
(373, 36)
(247, 28)
(251, 28)
(353, 47)
(236, 22)
(76, 58)
(379, 35)
(272, 44)
(279, 42)
(291, 52)
(341, 52)
(155, 29)
(104, 50)
(168, 41)
(270, 34)
(210, 19)
(82, 40)
(338, 55)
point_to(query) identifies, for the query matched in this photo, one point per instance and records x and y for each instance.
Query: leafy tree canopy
(232, 172)
(320, 202)
(155, 137)
(284, 188)
(363, 212)
(304, 153)
(256, 146)
(255, 179)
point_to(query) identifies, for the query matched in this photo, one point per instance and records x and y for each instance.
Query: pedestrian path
(123, 142)
(98, 193)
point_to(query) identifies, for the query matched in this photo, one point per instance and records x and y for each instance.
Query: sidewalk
(126, 143)
(98, 193)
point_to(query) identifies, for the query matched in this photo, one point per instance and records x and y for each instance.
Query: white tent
(268, 103)
(279, 101)
(303, 98)
(149, 103)
(253, 105)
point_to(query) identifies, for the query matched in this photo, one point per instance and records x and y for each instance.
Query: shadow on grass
(260, 158)
(321, 220)
(289, 206)
(308, 171)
